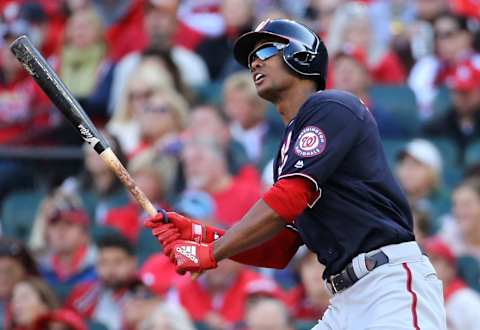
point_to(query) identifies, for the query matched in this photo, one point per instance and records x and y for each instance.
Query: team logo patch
(311, 142)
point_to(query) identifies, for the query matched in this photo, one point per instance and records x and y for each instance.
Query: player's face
(269, 73)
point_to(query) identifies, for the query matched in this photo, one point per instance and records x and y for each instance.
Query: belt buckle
(332, 283)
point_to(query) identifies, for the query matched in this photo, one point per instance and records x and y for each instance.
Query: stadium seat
(18, 213)
(401, 102)
(304, 325)
(441, 102)
(147, 245)
(209, 93)
(449, 151)
(94, 325)
(472, 153)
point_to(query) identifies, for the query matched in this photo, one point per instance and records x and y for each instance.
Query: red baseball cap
(65, 316)
(435, 246)
(78, 216)
(356, 53)
(159, 274)
(466, 76)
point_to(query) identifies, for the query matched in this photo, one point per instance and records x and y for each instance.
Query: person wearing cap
(419, 171)
(350, 72)
(70, 257)
(461, 122)
(16, 264)
(462, 303)
(116, 267)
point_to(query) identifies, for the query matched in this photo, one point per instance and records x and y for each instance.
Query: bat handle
(114, 163)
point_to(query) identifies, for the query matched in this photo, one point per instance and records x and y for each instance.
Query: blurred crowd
(158, 78)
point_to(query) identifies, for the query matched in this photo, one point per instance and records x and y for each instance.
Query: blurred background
(159, 79)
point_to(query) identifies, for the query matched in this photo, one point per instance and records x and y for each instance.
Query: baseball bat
(62, 97)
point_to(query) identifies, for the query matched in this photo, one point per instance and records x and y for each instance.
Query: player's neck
(289, 103)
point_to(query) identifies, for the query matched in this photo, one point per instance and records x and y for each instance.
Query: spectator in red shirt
(352, 25)
(310, 299)
(23, 107)
(124, 22)
(218, 297)
(104, 299)
(69, 257)
(205, 168)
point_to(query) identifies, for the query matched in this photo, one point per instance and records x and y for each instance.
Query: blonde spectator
(147, 79)
(32, 298)
(352, 25)
(419, 171)
(248, 122)
(84, 66)
(161, 120)
(167, 317)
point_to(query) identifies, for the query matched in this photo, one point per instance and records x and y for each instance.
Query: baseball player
(333, 192)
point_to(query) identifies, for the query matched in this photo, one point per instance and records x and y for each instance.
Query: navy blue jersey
(334, 142)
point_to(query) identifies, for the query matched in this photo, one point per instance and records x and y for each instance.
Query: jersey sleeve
(319, 141)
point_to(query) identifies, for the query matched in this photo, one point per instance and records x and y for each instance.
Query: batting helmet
(305, 53)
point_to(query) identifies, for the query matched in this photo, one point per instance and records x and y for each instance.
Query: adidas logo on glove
(189, 252)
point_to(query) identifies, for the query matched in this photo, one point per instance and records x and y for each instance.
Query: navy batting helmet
(305, 53)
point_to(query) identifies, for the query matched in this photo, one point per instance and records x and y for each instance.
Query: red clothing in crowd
(127, 35)
(388, 70)
(232, 203)
(199, 302)
(128, 219)
(23, 107)
(301, 307)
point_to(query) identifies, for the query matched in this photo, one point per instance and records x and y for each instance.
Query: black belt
(347, 277)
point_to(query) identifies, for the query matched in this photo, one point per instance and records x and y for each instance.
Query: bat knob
(164, 215)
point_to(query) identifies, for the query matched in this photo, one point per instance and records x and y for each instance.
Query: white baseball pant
(403, 294)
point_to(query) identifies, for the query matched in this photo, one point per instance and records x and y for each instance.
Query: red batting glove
(166, 233)
(188, 229)
(192, 256)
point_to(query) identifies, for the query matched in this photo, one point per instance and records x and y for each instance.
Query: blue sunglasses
(264, 52)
